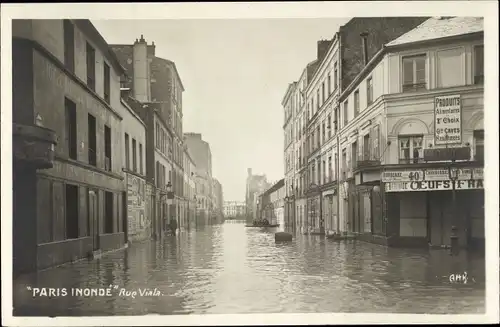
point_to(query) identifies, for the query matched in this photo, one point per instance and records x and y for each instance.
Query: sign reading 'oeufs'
(447, 120)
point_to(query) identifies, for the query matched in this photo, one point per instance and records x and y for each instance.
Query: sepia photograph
(238, 163)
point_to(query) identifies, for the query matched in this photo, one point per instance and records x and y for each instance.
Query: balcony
(366, 159)
(414, 87)
(33, 145)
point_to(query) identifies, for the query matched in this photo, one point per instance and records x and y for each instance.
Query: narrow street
(232, 269)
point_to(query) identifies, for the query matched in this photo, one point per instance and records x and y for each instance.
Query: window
(92, 147)
(324, 172)
(127, 152)
(335, 120)
(313, 174)
(330, 170)
(346, 108)
(344, 163)
(414, 73)
(323, 98)
(141, 168)
(366, 147)
(157, 172)
(410, 149)
(317, 100)
(108, 213)
(134, 155)
(369, 91)
(157, 135)
(334, 173)
(107, 148)
(329, 126)
(356, 103)
(90, 67)
(354, 154)
(335, 76)
(69, 45)
(479, 145)
(107, 83)
(324, 132)
(318, 136)
(479, 64)
(71, 212)
(329, 84)
(71, 128)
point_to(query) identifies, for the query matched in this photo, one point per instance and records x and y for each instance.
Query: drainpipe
(338, 177)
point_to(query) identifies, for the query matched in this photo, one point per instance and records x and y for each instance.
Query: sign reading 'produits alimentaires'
(447, 120)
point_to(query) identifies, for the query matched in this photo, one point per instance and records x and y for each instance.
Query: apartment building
(338, 61)
(133, 141)
(289, 104)
(68, 186)
(189, 189)
(412, 138)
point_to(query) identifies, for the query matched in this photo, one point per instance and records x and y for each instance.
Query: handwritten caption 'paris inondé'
(111, 290)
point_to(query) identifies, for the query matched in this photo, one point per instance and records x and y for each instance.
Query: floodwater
(229, 268)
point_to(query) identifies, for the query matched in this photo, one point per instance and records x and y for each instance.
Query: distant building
(271, 203)
(189, 189)
(255, 185)
(218, 200)
(234, 209)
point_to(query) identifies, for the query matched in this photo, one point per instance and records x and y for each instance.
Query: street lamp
(453, 173)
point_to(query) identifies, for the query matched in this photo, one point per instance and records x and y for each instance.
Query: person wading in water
(173, 225)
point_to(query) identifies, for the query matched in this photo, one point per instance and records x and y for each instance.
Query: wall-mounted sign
(434, 174)
(402, 175)
(447, 120)
(416, 186)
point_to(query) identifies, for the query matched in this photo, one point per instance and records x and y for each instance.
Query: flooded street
(232, 269)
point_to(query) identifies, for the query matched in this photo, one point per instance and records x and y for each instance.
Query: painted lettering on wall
(447, 120)
(434, 185)
(437, 174)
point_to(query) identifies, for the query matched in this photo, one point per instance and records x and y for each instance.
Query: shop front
(426, 206)
(315, 221)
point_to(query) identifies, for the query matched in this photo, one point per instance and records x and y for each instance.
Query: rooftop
(441, 27)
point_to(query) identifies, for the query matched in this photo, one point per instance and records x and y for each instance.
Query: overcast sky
(235, 73)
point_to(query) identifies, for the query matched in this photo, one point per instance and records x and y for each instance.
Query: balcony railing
(366, 159)
(414, 87)
(406, 161)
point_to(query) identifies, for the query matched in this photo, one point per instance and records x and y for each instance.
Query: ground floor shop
(64, 214)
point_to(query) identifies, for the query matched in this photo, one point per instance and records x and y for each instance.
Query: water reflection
(233, 269)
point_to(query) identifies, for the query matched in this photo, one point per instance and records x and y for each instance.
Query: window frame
(411, 159)
(369, 90)
(477, 79)
(415, 85)
(91, 66)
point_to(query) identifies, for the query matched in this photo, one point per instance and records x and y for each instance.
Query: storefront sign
(441, 174)
(447, 120)
(433, 185)
(402, 175)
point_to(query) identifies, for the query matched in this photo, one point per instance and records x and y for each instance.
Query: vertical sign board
(447, 120)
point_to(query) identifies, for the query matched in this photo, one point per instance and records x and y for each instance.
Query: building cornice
(386, 49)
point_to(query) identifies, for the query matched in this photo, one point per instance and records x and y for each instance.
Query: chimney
(249, 171)
(142, 81)
(364, 45)
(323, 46)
